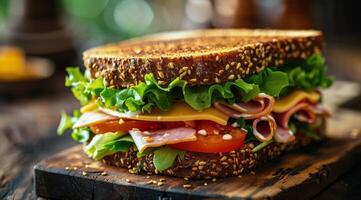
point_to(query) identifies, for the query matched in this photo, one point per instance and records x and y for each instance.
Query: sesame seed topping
(84, 173)
(160, 183)
(231, 77)
(235, 124)
(227, 137)
(187, 185)
(104, 173)
(148, 139)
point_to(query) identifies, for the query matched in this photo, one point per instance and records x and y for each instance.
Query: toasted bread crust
(200, 57)
(210, 165)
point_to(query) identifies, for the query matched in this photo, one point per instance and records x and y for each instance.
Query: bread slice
(201, 57)
(207, 165)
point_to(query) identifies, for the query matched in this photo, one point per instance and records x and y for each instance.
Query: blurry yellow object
(12, 63)
(14, 66)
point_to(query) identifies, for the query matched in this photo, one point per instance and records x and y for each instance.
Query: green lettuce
(107, 144)
(67, 122)
(145, 96)
(164, 157)
(308, 75)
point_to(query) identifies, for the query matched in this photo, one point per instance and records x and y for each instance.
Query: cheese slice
(287, 102)
(178, 112)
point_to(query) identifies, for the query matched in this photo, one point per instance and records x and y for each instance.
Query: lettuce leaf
(145, 96)
(308, 74)
(67, 122)
(270, 81)
(164, 157)
(106, 144)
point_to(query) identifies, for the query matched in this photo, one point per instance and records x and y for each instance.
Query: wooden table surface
(28, 134)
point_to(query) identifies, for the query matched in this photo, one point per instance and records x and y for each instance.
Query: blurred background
(39, 38)
(59, 30)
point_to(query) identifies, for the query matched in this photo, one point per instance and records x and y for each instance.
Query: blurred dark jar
(35, 26)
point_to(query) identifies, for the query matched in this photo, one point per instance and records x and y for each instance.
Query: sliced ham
(303, 111)
(264, 128)
(284, 135)
(259, 106)
(146, 139)
(91, 118)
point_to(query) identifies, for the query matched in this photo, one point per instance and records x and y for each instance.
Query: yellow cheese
(178, 112)
(285, 103)
(90, 107)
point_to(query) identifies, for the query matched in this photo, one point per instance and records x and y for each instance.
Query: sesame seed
(162, 179)
(202, 132)
(224, 158)
(104, 173)
(160, 183)
(127, 180)
(187, 185)
(84, 173)
(231, 77)
(227, 67)
(75, 168)
(214, 180)
(67, 168)
(202, 163)
(185, 178)
(150, 182)
(205, 183)
(227, 137)
(171, 65)
(148, 139)
(147, 177)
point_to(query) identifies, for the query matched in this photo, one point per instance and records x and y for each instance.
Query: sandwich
(199, 104)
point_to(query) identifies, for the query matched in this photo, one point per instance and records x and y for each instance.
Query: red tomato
(214, 143)
(113, 126)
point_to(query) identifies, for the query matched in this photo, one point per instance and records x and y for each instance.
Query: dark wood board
(298, 175)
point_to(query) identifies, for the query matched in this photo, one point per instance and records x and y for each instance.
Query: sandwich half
(199, 104)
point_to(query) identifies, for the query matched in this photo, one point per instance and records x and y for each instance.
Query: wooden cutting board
(298, 175)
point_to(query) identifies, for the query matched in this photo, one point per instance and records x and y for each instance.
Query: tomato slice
(214, 143)
(113, 126)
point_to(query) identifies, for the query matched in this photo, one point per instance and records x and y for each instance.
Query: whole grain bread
(211, 165)
(201, 57)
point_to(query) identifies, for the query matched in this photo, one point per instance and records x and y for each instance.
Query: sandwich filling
(271, 106)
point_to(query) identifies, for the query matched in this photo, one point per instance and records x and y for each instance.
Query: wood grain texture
(299, 174)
